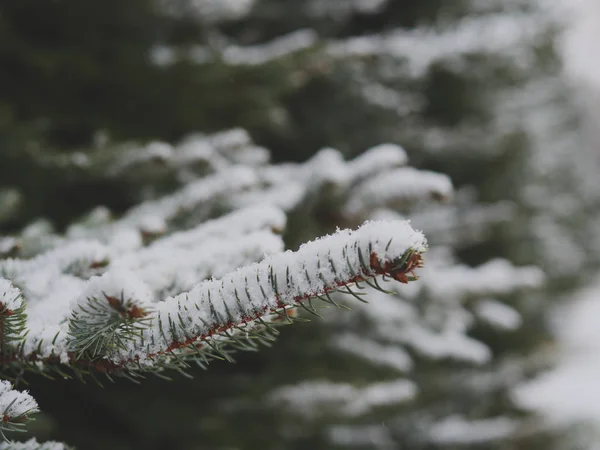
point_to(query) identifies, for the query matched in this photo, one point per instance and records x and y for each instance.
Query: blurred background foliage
(75, 71)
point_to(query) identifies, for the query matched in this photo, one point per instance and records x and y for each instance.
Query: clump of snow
(378, 354)
(201, 192)
(14, 404)
(339, 9)
(362, 436)
(186, 266)
(396, 188)
(208, 11)
(47, 339)
(232, 140)
(498, 314)
(121, 284)
(496, 277)
(7, 244)
(441, 345)
(276, 48)
(462, 431)
(309, 397)
(10, 296)
(240, 222)
(217, 10)
(491, 33)
(376, 159)
(162, 55)
(381, 394)
(583, 23)
(32, 444)
(285, 197)
(153, 153)
(196, 155)
(327, 167)
(82, 252)
(317, 397)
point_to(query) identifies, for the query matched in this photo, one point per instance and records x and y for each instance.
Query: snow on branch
(209, 11)
(376, 159)
(107, 313)
(497, 33)
(10, 296)
(116, 323)
(495, 277)
(12, 318)
(176, 269)
(277, 48)
(458, 430)
(361, 436)
(348, 189)
(196, 155)
(341, 9)
(239, 222)
(65, 258)
(240, 176)
(15, 407)
(498, 314)
(281, 281)
(342, 399)
(397, 188)
(201, 194)
(168, 266)
(8, 245)
(195, 202)
(392, 356)
(33, 444)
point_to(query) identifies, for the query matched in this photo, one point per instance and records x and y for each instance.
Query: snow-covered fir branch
(117, 319)
(15, 407)
(279, 282)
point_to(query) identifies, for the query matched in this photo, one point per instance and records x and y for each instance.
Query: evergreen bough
(127, 302)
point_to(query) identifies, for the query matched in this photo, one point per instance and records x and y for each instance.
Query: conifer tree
(156, 228)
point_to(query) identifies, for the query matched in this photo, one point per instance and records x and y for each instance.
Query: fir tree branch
(220, 309)
(15, 407)
(12, 320)
(111, 311)
(115, 328)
